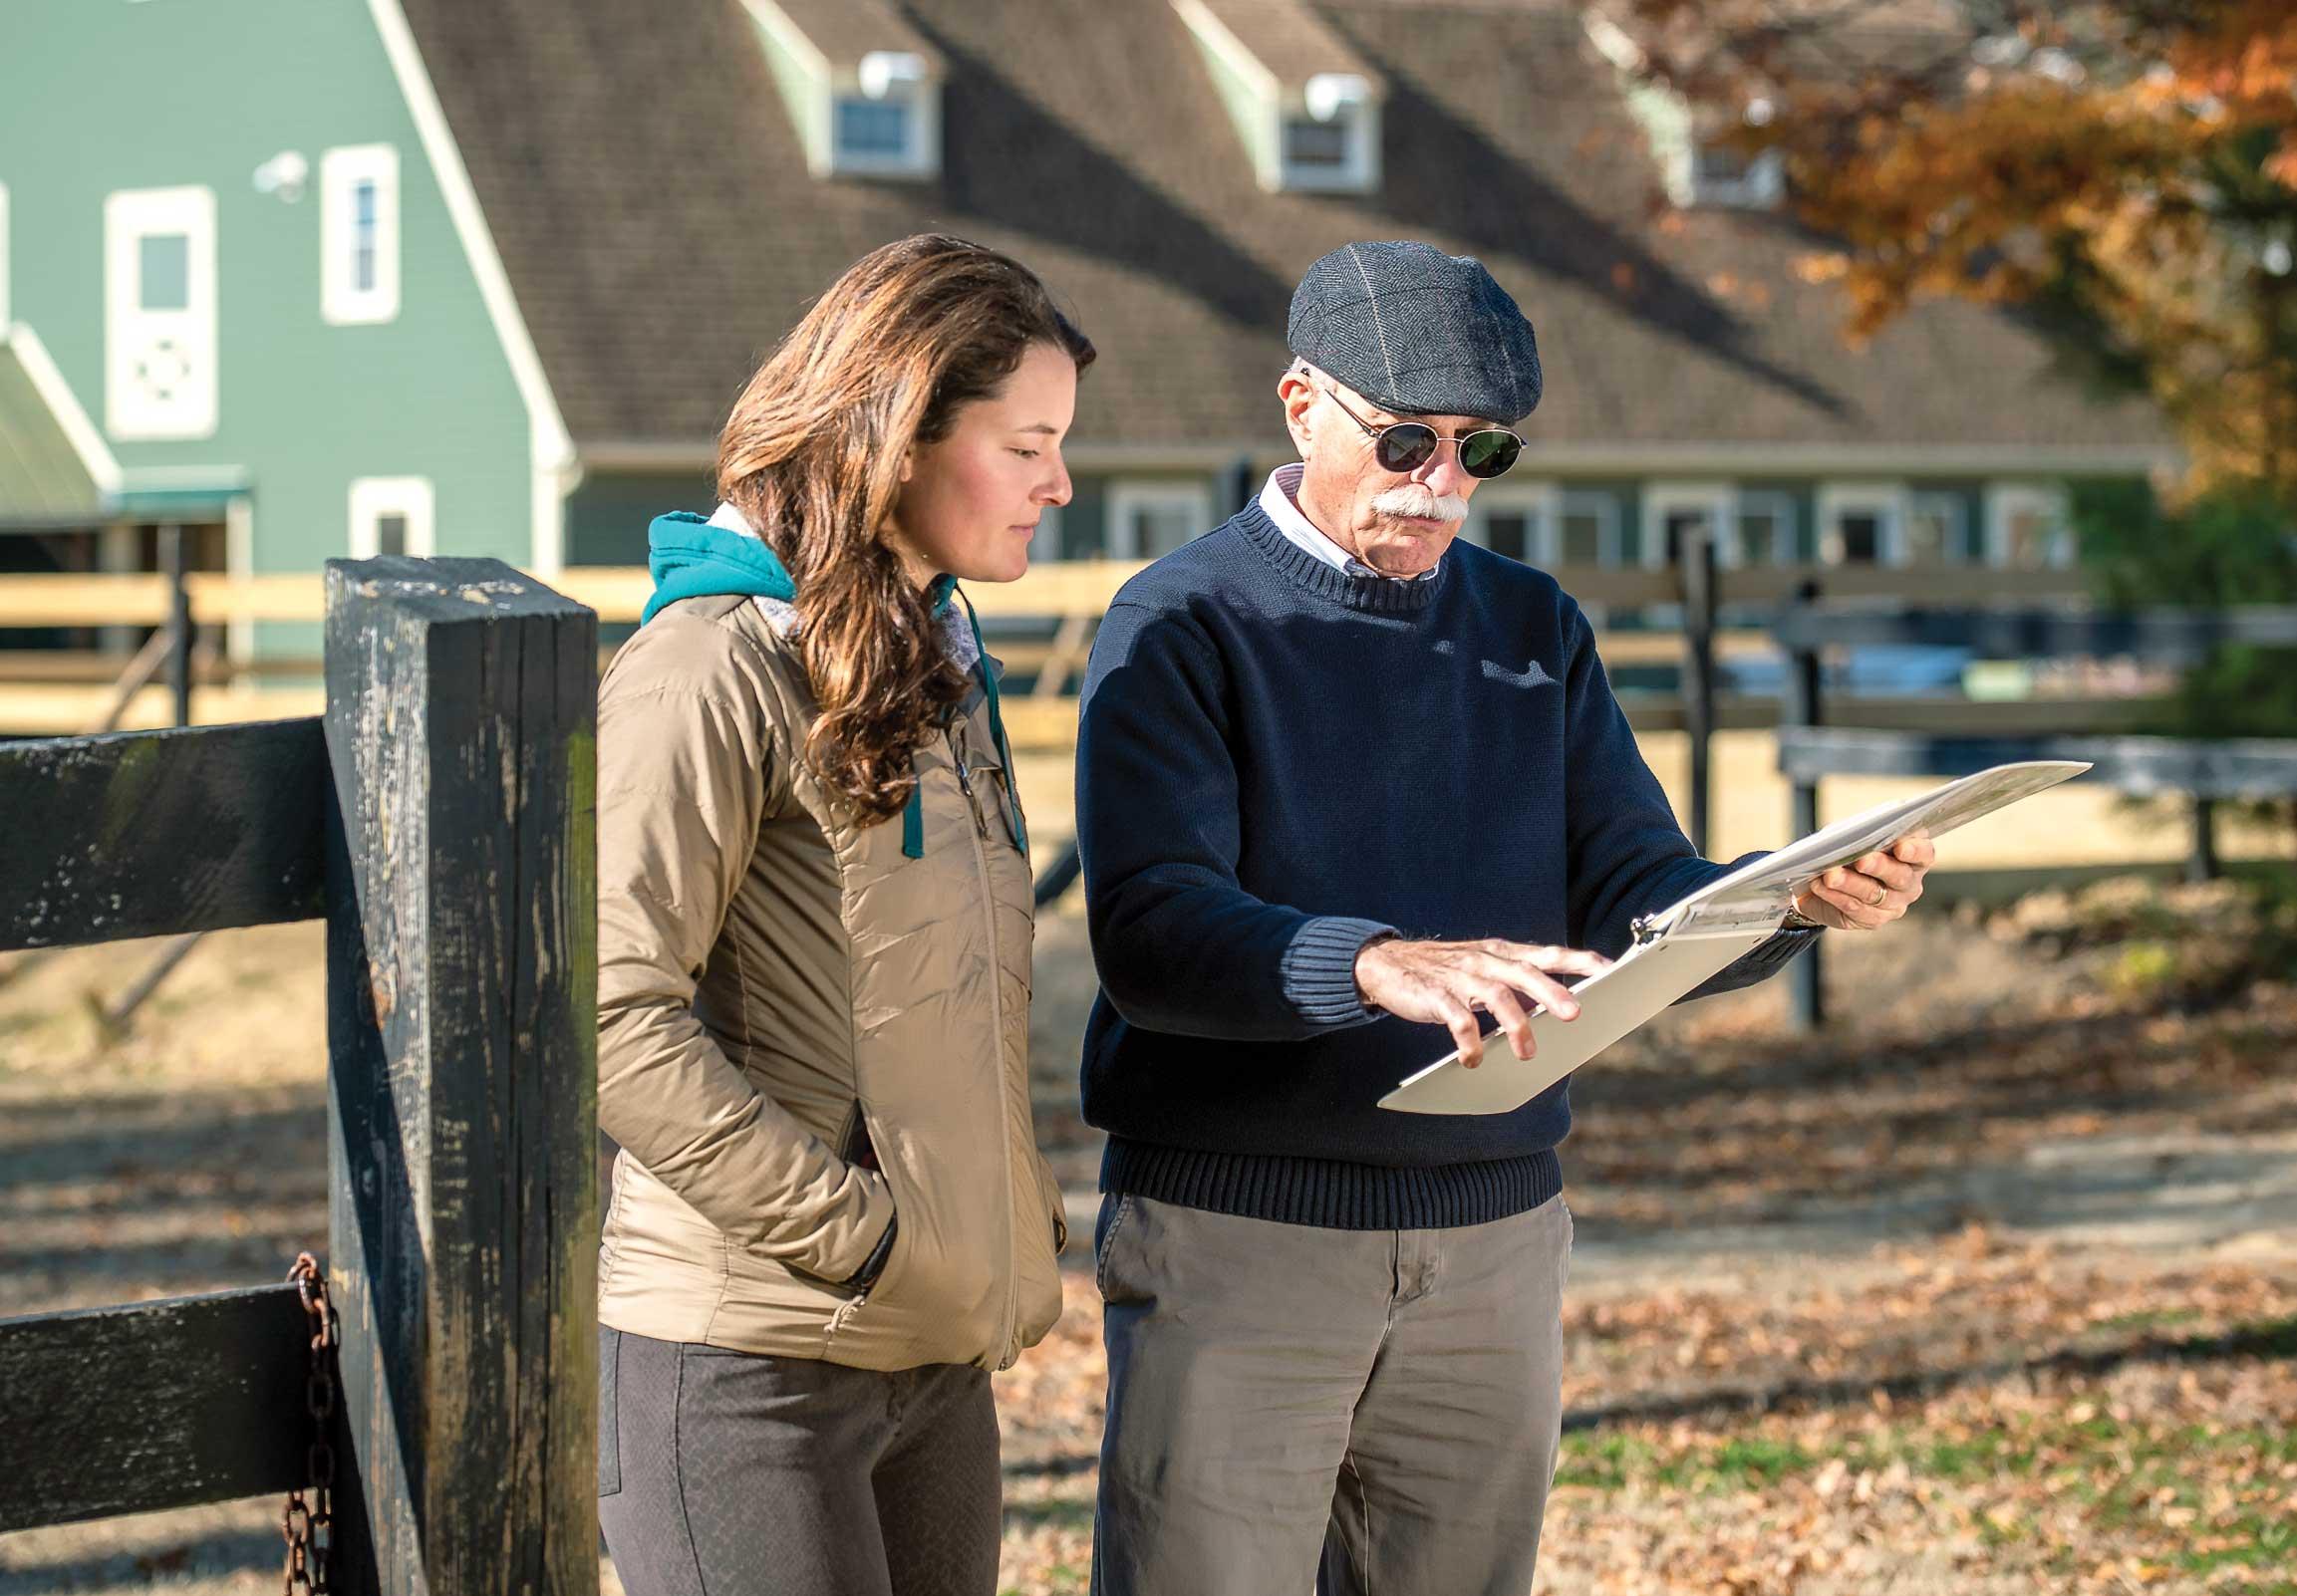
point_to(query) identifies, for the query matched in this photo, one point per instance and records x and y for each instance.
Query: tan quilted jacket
(802, 1030)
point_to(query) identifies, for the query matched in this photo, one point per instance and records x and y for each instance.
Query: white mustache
(1417, 501)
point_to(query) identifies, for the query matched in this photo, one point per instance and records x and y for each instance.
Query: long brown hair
(813, 455)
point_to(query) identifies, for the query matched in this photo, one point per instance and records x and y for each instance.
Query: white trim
(1781, 505)
(4, 323)
(921, 154)
(373, 497)
(2007, 500)
(788, 34)
(1891, 499)
(239, 564)
(1127, 497)
(1215, 36)
(96, 457)
(133, 332)
(1535, 501)
(1358, 175)
(1956, 549)
(1851, 460)
(550, 449)
(1604, 505)
(342, 302)
(1718, 499)
(220, 480)
(1763, 187)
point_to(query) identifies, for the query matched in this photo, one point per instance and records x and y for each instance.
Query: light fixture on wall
(1328, 93)
(883, 72)
(283, 175)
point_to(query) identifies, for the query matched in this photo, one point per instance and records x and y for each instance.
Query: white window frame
(1580, 501)
(1535, 499)
(1957, 523)
(1328, 98)
(1128, 497)
(1762, 188)
(2004, 502)
(895, 78)
(130, 215)
(374, 497)
(1719, 499)
(1782, 503)
(1836, 499)
(342, 302)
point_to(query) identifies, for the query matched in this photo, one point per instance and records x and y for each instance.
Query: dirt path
(1837, 1306)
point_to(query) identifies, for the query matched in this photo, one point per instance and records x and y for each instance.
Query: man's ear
(1300, 401)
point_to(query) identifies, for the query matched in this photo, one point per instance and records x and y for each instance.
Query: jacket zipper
(1006, 1358)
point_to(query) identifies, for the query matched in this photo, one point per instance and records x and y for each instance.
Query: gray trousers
(1379, 1409)
(725, 1474)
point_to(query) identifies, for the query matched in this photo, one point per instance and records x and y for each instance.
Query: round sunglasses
(1404, 446)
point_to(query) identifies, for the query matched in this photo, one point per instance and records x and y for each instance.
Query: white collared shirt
(1280, 502)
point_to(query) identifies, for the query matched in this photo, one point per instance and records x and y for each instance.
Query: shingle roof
(846, 30)
(651, 205)
(1287, 38)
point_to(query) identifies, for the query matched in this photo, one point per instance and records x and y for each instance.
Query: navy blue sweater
(1279, 761)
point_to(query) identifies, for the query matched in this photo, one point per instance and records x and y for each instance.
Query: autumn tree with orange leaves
(2125, 170)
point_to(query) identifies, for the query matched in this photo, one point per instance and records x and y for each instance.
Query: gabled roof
(54, 466)
(659, 229)
(1286, 37)
(844, 31)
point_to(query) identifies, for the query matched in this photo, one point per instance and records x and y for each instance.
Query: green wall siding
(99, 95)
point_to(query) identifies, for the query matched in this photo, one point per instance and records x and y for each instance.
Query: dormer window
(1307, 108)
(1331, 142)
(859, 111)
(1723, 176)
(1698, 162)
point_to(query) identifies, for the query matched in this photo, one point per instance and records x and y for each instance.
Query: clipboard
(1697, 937)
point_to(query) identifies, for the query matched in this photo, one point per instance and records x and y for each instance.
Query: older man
(1342, 784)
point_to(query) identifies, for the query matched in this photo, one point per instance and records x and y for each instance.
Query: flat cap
(1417, 332)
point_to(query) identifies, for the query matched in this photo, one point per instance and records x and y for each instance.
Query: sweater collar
(1280, 501)
(1374, 595)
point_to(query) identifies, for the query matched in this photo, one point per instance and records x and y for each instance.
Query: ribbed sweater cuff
(1319, 970)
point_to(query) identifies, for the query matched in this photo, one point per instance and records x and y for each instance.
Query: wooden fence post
(1699, 603)
(172, 560)
(2202, 862)
(1806, 977)
(461, 974)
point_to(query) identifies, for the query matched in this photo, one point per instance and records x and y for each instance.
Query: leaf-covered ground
(1990, 1287)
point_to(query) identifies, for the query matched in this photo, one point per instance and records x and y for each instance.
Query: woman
(829, 1219)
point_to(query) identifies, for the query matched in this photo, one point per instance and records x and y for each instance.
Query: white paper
(1694, 937)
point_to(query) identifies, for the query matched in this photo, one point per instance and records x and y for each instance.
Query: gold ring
(1880, 893)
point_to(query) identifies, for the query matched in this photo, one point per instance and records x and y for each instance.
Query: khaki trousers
(1362, 1412)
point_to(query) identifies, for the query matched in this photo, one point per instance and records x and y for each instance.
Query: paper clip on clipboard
(1699, 935)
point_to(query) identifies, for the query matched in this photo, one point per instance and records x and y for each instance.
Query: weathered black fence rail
(439, 817)
(2206, 772)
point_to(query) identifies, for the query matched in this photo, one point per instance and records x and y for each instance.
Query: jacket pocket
(609, 1421)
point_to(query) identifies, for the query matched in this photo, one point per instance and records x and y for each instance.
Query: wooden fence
(440, 818)
(2206, 772)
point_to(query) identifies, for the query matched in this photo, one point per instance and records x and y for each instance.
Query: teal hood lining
(689, 556)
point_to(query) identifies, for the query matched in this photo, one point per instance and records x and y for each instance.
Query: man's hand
(1873, 891)
(1448, 982)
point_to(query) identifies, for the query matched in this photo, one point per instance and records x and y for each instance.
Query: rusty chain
(310, 1527)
